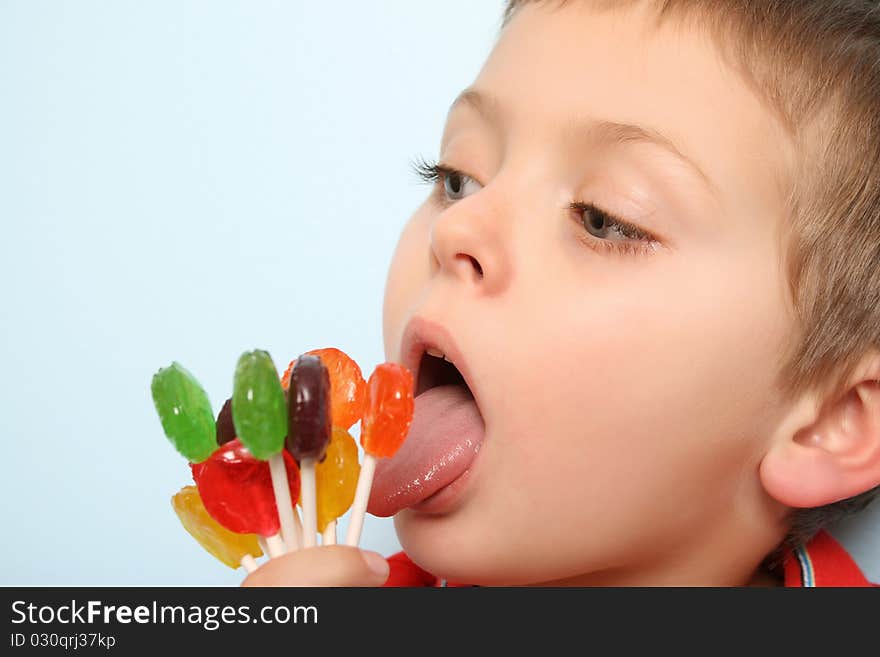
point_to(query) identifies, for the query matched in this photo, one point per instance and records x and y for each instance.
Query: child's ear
(825, 454)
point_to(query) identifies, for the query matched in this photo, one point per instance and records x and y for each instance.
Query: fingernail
(377, 563)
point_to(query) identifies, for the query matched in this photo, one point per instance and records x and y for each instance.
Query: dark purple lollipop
(309, 425)
(225, 426)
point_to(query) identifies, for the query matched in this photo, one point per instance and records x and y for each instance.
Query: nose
(468, 242)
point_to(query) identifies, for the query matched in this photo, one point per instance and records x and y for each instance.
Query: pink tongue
(445, 435)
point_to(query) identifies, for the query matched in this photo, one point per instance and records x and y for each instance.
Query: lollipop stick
(310, 513)
(299, 527)
(275, 546)
(249, 563)
(282, 500)
(329, 535)
(361, 497)
(264, 546)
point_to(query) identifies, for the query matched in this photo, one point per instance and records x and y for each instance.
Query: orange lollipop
(387, 417)
(389, 410)
(347, 386)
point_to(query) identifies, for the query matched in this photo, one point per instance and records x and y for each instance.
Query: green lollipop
(185, 412)
(259, 409)
(259, 413)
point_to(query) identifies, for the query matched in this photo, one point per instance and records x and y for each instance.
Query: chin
(438, 544)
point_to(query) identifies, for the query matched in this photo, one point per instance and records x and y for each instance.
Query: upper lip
(420, 334)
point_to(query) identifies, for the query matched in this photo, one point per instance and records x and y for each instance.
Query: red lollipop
(236, 489)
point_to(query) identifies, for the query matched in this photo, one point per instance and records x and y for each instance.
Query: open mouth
(435, 370)
(446, 433)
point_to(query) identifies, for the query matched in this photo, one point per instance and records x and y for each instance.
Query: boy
(652, 253)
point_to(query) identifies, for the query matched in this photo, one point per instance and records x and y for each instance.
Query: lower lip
(448, 498)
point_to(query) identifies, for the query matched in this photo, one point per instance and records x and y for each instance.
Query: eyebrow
(605, 132)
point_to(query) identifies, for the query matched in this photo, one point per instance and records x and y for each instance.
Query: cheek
(407, 276)
(651, 392)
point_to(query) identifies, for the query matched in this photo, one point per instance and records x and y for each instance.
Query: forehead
(555, 69)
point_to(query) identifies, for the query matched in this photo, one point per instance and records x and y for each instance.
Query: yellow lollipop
(232, 549)
(336, 481)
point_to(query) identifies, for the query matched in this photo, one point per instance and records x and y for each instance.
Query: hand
(330, 565)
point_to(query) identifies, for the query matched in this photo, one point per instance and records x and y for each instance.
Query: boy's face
(626, 378)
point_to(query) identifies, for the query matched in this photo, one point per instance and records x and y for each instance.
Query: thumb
(330, 565)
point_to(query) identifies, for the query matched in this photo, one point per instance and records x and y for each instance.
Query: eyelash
(435, 172)
(641, 242)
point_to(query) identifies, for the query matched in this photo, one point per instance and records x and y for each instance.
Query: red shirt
(822, 562)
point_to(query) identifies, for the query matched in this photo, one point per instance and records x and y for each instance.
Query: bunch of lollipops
(278, 443)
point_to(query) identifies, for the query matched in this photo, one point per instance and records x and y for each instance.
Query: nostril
(477, 266)
(465, 264)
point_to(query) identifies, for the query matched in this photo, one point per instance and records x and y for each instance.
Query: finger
(328, 565)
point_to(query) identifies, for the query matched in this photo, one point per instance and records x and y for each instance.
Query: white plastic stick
(361, 497)
(275, 546)
(298, 524)
(329, 535)
(281, 487)
(249, 563)
(263, 545)
(309, 501)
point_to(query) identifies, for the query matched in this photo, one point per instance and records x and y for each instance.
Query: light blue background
(188, 180)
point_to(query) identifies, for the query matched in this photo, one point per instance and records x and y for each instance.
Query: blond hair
(816, 64)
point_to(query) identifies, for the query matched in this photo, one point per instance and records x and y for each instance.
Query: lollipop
(237, 491)
(225, 426)
(347, 386)
(259, 412)
(185, 412)
(386, 421)
(336, 479)
(309, 424)
(232, 549)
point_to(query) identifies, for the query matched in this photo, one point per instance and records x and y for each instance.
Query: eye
(457, 185)
(605, 230)
(602, 225)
